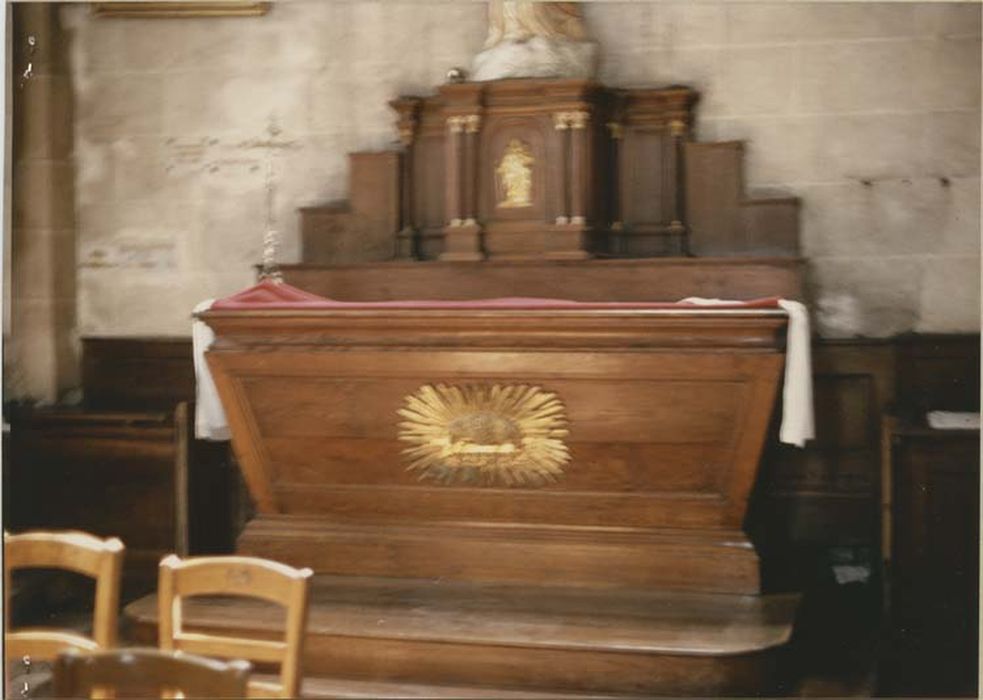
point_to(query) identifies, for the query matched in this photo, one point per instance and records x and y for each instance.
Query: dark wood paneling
(137, 373)
(136, 476)
(108, 474)
(934, 571)
(364, 228)
(665, 279)
(827, 495)
(722, 220)
(938, 372)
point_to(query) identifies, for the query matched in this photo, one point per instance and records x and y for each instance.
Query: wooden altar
(524, 494)
(522, 498)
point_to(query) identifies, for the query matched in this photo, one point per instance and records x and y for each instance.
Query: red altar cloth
(277, 295)
(798, 423)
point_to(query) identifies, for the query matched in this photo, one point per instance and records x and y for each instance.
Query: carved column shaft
(614, 190)
(462, 237)
(472, 125)
(678, 130)
(579, 122)
(453, 154)
(407, 135)
(561, 123)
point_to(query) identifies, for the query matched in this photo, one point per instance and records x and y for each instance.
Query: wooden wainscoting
(144, 374)
(827, 504)
(827, 495)
(136, 476)
(125, 463)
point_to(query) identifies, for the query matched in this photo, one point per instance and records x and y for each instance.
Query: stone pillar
(40, 361)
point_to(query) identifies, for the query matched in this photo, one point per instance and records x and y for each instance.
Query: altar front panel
(658, 435)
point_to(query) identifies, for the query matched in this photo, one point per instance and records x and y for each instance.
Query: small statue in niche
(514, 173)
(528, 39)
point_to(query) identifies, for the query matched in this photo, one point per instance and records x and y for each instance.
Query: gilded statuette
(514, 173)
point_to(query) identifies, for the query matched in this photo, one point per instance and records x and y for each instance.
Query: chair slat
(44, 643)
(230, 647)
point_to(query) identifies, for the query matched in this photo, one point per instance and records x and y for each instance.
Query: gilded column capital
(472, 123)
(578, 120)
(678, 127)
(617, 130)
(561, 120)
(455, 124)
(407, 132)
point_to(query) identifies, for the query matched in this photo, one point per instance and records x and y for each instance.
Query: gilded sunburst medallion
(490, 435)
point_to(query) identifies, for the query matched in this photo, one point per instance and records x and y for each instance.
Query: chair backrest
(129, 673)
(237, 576)
(100, 559)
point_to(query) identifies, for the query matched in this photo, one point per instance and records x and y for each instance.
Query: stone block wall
(870, 112)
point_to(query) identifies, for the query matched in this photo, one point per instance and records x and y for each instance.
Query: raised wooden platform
(490, 638)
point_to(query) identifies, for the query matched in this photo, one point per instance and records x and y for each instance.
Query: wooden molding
(177, 10)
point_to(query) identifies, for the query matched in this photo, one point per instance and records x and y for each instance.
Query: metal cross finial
(270, 270)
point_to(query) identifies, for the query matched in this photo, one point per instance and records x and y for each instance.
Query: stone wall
(868, 111)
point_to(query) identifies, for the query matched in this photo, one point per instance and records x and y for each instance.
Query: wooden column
(616, 131)
(579, 173)
(472, 125)
(453, 154)
(561, 122)
(462, 235)
(678, 130)
(407, 245)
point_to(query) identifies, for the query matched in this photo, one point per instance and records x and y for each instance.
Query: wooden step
(552, 639)
(704, 560)
(345, 689)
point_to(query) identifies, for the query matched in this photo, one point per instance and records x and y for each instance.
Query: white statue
(535, 40)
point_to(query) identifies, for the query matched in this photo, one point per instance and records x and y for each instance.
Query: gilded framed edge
(229, 8)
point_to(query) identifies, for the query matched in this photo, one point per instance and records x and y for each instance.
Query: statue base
(537, 57)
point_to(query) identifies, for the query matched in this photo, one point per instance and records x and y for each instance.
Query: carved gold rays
(509, 435)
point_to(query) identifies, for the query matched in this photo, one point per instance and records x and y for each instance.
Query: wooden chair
(237, 576)
(74, 551)
(142, 673)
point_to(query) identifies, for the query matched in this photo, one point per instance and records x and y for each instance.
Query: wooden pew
(125, 462)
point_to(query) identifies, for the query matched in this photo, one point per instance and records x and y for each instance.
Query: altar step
(348, 689)
(412, 635)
